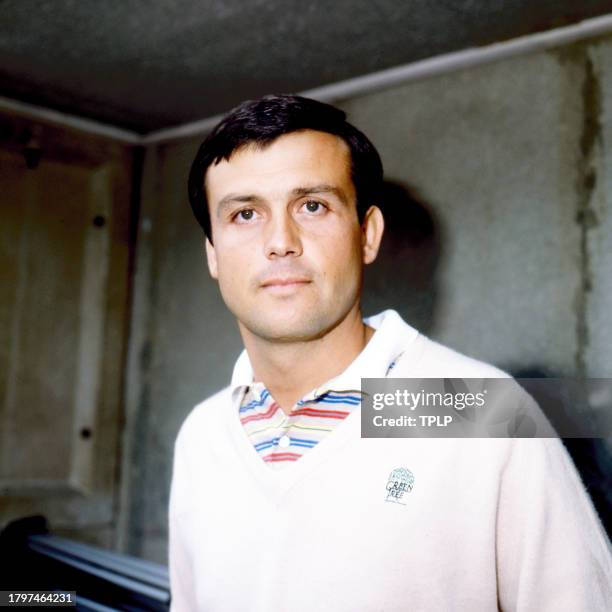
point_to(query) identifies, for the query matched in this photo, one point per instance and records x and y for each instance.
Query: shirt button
(284, 441)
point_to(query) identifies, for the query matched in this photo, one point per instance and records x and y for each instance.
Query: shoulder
(203, 419)
(429, 359)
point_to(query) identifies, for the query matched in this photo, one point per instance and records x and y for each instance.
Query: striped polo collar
(390, 340)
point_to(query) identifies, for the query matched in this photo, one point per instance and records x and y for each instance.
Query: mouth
(284, 281)
(284, 284)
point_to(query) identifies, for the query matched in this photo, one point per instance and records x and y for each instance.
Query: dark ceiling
(146, 65)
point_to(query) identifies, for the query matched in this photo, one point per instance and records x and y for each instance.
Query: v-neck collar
(391, 338)
(278, 482)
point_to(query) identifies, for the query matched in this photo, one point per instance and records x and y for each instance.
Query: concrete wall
(511, 162)
(65, 250)
(496, 152)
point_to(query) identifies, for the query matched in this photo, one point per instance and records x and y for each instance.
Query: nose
(283, 237)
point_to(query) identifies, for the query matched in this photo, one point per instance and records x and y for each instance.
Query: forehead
(292, 160)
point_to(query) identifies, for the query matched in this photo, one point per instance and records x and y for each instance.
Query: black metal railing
(35, 560)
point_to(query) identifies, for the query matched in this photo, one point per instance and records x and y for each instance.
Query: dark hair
(262, 121)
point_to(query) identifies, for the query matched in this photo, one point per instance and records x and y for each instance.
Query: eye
(244, 215)
(313, 206)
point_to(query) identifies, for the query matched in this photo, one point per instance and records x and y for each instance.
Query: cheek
(339, 260)
(234, 266)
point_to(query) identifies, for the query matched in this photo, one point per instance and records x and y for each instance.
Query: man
(277, 503)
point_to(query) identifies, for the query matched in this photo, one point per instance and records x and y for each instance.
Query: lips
(285, 282)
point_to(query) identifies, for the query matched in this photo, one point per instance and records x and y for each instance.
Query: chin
(287, 329)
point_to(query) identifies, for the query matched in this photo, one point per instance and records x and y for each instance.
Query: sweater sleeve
(182, 585)
(552, 551)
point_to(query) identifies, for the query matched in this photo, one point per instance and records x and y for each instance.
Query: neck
(290, 370)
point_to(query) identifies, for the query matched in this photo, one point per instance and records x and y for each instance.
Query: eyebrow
(324, 188)
(298, 192)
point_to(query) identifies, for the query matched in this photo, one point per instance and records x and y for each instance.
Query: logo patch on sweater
(401, 481)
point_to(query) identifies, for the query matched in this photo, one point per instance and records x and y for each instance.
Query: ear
(372, 231)
(211, 258)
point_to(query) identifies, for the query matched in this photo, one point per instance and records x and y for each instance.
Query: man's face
(288, 249)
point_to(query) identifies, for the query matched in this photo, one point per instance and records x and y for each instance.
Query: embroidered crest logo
(401, 480)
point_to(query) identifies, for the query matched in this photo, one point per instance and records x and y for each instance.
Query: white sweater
(488, 523)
